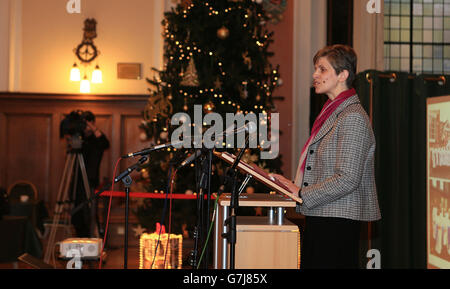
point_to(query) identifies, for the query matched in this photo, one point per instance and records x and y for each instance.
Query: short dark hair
(88, 115)
(341, 57)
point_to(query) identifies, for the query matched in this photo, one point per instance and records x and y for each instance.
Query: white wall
(4, 44)
(368, 36)
(45, 34)
(310, 35)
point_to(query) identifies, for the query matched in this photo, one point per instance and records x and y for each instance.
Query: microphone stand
(208, 202)
(234, 204)
(80, 206)
(126, 179)
(198, 230)
(204, 184)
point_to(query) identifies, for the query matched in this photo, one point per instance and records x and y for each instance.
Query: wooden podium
(266, 242)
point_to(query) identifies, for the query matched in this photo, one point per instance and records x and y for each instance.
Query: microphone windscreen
(252, 128)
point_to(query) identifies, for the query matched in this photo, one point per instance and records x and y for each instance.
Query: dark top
(93, 148)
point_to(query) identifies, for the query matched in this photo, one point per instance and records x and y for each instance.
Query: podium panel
(261, 241)
(263, 246)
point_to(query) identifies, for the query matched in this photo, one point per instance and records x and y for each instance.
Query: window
(417, 36)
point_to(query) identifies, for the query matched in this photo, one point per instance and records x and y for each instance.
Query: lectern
(263, 242)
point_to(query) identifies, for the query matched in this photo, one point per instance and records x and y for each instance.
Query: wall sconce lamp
(86, 52)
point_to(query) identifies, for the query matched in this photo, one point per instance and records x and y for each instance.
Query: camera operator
(94, 143)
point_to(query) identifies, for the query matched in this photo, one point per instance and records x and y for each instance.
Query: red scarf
(329, 107)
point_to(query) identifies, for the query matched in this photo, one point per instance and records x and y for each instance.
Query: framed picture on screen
(438, 182)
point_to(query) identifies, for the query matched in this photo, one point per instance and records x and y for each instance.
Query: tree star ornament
(138, 231)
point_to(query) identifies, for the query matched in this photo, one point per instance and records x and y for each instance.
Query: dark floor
(114, 259)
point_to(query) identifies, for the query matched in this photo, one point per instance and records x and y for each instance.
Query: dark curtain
(399, 123)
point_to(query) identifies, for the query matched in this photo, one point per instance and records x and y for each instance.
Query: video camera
(74, 125)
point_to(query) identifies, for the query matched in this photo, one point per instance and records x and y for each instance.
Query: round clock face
(86, 52)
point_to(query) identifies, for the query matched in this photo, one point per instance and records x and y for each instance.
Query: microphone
(130, 169)
(249, 127)
(149, 150)
(190, 159)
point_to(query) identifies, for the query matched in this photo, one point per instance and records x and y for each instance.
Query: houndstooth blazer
(339, 179)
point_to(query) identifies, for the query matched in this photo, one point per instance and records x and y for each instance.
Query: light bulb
(85, 85)
(97, 75)
(75, 74)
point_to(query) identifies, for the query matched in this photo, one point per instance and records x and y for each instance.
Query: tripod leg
(87, 188)
(58, 196)
(61, 197)
(75, 180)
(89, 197)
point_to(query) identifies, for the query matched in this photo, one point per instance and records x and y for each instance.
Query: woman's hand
(288, 183)
(94, 129)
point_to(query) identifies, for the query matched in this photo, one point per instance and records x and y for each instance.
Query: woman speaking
(335, 176)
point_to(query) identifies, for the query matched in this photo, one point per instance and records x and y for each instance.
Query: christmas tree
(217, 56)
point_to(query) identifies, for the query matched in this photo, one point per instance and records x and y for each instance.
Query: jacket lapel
(326, 127)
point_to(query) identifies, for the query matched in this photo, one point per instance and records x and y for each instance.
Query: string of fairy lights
(180, 48)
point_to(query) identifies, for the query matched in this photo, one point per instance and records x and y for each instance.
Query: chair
(22, 198)
(23, 201)
(22, 192)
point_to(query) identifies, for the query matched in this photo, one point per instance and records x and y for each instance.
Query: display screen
(438, 182)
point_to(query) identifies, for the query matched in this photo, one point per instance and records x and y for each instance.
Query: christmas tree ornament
(243, 90)
(144, 173)
(247, 60)
(250, 190)
(223, 33)
(163, 135)
(280, 82)
(208, 107)
(190, 77)
(274, 9)
(143, 136)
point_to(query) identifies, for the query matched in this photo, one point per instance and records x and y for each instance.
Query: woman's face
(325, 79)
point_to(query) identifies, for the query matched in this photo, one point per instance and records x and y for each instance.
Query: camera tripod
(74, 164)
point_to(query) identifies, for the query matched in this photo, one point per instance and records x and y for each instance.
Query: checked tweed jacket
(339, 179)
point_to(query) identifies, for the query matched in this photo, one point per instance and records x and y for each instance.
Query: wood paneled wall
(30, 146)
